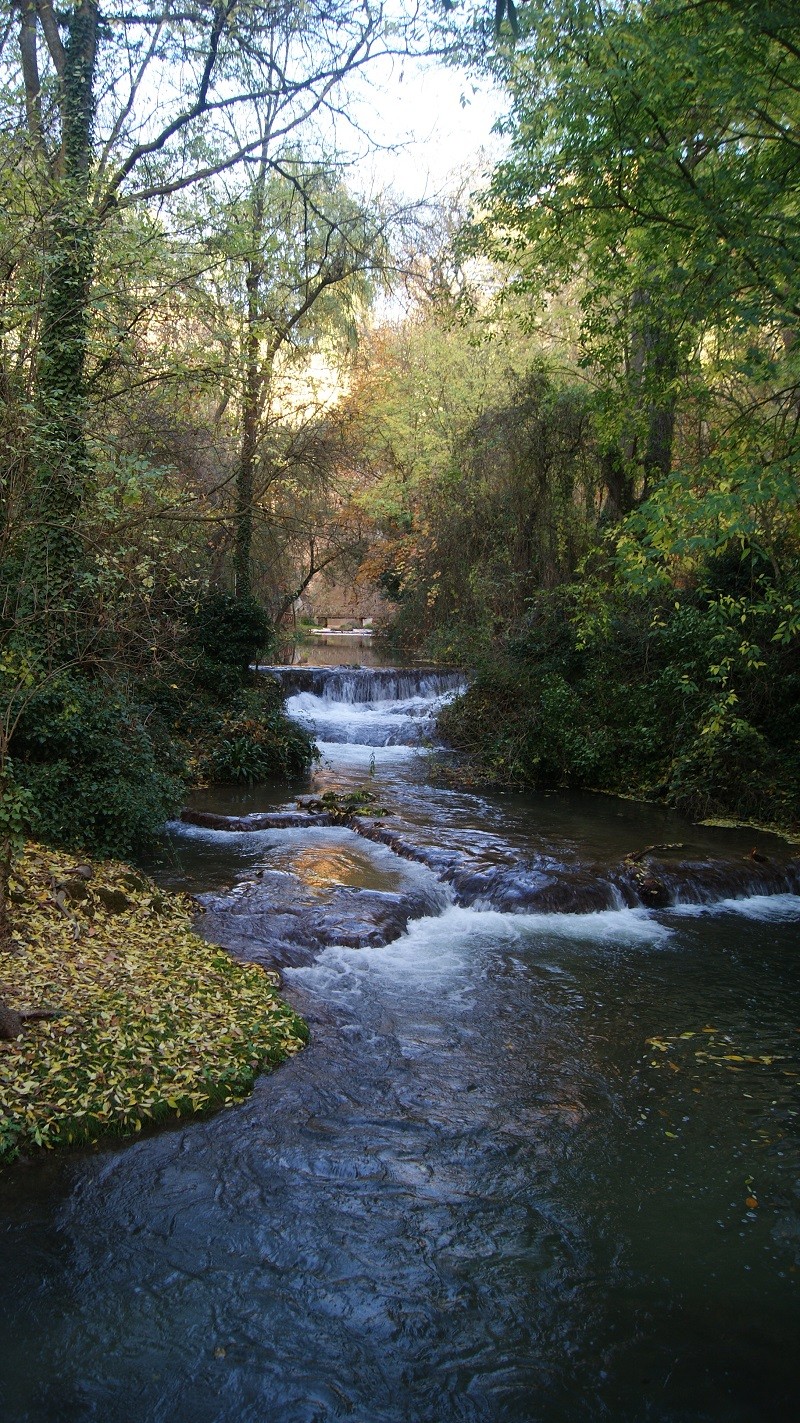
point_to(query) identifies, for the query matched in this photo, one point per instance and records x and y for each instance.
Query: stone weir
(355, 685)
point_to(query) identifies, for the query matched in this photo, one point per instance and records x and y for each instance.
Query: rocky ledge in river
(654, 877)
(275, 920)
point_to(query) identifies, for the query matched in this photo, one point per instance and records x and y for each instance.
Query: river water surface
(534, 1165)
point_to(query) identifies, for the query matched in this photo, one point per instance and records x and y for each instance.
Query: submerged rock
(261, 922)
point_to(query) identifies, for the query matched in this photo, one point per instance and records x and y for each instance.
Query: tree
(150, 135)
(296, 253)
(654, 157)
(479, 470)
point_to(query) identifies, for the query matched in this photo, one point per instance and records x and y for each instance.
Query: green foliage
(661, 697)
(252, 741)
(101, 774)
(729, 765)
(229, 720)
(510, 505)
(225, 636)
(648, 213)
(652, 152)
(16, 809)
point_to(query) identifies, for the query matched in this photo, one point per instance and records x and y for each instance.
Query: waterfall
(352, 685)
(367, 706)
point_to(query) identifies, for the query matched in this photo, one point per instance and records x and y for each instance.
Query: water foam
(360, 757)
(781, 908)
(445, 938)
(376, 723)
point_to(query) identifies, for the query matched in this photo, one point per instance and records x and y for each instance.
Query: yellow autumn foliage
(152, 1022)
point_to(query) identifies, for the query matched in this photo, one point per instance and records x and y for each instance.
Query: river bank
(143, 1022)
(658, 698)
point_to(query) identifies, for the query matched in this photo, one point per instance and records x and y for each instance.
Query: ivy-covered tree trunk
(62, 464)
(252, 394)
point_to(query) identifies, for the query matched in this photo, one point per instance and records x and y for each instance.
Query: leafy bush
(16, 806)
(688, 699)
(254, 741)
(102, 777)
(727, 751)
(531, 730)
(225, 635)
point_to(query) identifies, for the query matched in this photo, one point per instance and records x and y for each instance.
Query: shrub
(102, 777)
(530, 729)
(668, 697)
(726, 751)
(254, 741)
(225, 635)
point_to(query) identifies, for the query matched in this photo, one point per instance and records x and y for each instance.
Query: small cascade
(544, 884)
(361, 685)
(365, 706)
(537, 1160)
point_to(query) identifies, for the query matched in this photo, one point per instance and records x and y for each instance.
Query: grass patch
(153, 1023)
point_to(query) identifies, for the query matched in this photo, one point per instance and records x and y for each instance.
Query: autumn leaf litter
(152, 1022)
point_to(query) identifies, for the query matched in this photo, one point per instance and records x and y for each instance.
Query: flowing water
(538, 1162)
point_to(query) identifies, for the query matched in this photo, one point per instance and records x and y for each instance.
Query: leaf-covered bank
(150, 1022)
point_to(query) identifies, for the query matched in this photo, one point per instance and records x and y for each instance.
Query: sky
(438, 121)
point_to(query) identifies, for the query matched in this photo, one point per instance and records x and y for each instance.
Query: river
(535, 1165)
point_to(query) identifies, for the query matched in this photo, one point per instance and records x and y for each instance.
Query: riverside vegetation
(588, 470)
(113, 1013)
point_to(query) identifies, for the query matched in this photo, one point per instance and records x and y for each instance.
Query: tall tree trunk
(660, 435)
(661, 369)
(254, 385)
(251, 406)
(618, 481)
(653, 366)
(62, 459)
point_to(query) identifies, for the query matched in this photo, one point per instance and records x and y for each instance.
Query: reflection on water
(532, 1167)
(335, 649)
(320, 866)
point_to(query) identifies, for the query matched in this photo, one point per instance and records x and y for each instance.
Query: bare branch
(127, 108)
(222, 13)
